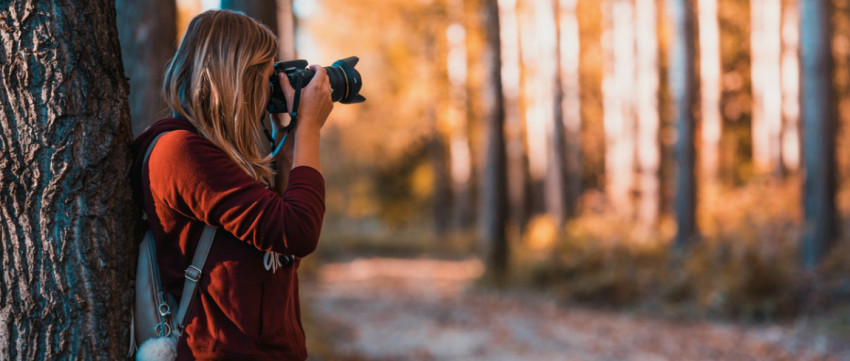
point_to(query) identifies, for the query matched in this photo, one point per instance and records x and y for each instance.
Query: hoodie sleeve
(197, 179)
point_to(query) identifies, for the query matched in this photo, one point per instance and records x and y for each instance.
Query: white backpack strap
(194, 271)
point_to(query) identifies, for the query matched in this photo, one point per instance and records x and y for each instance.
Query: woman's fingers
(288, 90)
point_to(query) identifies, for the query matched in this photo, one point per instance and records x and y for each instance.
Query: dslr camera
(344, 79)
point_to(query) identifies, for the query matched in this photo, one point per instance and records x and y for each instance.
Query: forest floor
(427, 309)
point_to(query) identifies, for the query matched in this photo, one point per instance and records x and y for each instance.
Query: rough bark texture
(819, 119)
(265, 11)
(148, 32)
(683, 92)
(68, 219)
(494, 181)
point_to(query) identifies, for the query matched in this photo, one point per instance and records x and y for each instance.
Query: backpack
(155, 327)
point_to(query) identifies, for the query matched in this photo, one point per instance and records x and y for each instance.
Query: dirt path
(395, 309)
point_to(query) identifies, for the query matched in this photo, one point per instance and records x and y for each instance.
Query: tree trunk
(618, 99)
(819, 123)
(767, 92)
(148, 33)
(264, 11)
(648, 145)
(790, 87)
(517, 163)
(565, 159)
(538, 48)
(712, 122)
(457, 128)
(67, 238)
(286, 29)
(683, 91)
(494, 187)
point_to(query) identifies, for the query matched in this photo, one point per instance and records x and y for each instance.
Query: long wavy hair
(216, 81)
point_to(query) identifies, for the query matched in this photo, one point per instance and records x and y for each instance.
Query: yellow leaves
(422, 180)
(541, 234)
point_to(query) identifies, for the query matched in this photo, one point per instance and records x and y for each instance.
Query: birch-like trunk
(819, 124)
(766, 46)
(148, 34)
(648, 147)
(286, 25)
(67, 238)
(460, 156)
(618, 101)
(712, 122)
(790, 87)
(539, 62)
(683, 94)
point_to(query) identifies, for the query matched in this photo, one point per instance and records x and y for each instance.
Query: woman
(213, 168)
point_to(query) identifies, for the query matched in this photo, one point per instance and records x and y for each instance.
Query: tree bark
(264, 11)
(683, 91)
(494, 185)
(148, 33)
(67, 238)
(819, 123)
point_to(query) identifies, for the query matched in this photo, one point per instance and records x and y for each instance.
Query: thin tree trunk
(648, 145)
(264, 11)
(286, 29)
(767, 91)
(548, 16)
(148, 33)
(618, 92)
(442, 204)
(790, 86)
(517, 163)
(712, 122)
(494, 188)
(683, 91)
(538, 49)
(819, 123)
(459, 153)
(66, 242)
(565, 159)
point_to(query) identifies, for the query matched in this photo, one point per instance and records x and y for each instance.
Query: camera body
(345, 82)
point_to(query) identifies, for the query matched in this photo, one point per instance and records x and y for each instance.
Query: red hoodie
(243, 311)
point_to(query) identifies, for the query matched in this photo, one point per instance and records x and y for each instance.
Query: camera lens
(345, 81)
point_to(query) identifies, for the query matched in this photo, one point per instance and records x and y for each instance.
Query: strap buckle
(192, 273)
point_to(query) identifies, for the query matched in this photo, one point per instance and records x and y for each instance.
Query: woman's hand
(315, 104)
(313, 110)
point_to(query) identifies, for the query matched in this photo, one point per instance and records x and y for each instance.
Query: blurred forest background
(683, 157)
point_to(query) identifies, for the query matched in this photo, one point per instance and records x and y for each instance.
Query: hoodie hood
(140, 147)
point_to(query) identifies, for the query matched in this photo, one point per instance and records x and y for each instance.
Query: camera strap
(293, 114)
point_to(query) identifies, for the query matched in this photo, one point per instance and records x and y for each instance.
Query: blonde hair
(216, 81)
